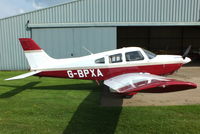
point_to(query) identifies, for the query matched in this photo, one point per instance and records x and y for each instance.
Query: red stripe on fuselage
(106, 73)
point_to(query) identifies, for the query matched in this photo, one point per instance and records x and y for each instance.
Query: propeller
(186, 52)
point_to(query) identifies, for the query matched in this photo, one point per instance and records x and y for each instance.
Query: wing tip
(9, 79)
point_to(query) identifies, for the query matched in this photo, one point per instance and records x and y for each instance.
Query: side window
(115, 58)
(100, 61)
(134, 56)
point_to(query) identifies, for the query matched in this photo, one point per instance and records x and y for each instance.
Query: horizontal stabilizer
(24, 75)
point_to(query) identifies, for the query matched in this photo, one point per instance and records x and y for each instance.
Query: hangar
(163, 26)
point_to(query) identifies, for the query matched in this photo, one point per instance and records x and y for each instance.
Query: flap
(145, 82)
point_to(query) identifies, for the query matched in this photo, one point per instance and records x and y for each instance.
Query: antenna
(87, 50)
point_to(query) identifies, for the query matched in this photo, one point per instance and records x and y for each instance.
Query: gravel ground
(187, 97)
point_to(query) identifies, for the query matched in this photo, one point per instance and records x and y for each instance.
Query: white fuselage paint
(88, 62)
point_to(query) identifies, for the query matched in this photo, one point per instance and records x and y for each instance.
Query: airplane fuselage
(106, 73)
(92, 68)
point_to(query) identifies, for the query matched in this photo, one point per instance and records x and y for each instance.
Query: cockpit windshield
(149, 54)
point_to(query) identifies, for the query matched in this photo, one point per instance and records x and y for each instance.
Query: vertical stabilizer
(36, 56)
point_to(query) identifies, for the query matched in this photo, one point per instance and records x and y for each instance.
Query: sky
(14, 7)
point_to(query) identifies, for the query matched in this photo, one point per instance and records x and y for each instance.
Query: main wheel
(127, 96)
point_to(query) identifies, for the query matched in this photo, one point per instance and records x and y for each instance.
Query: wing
(132, 83)
(24, 75)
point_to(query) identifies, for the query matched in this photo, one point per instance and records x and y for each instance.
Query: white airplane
(126, 71)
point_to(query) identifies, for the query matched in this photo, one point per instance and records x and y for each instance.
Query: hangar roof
(113, 24)
(117, 11)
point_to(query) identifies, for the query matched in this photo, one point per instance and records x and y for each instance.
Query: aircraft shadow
(83, 86)
(91, 118)
(18, 89)
(110, 99)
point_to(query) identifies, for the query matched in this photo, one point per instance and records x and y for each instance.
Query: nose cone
(186, 60)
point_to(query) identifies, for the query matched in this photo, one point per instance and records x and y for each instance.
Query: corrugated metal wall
(83, 11)
(11, 55)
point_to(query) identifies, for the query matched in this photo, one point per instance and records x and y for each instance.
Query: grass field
(60, 106)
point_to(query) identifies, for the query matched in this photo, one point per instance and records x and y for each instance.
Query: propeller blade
(187, 51)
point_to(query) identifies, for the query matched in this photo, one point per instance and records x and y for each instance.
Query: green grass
(56, 106)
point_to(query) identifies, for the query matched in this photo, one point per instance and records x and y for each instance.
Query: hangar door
(162, 39)
(69, 42)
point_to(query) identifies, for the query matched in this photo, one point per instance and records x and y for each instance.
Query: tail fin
(36, 57)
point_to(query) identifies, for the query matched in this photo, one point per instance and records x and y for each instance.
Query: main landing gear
(127, 96)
